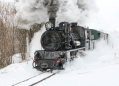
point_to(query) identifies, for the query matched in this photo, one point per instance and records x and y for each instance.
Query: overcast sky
(109, 13)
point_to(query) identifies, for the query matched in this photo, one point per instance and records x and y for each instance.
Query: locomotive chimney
(52, 20)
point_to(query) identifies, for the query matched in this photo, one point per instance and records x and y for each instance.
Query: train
(62, 44)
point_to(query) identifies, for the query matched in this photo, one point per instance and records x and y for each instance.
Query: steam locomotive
(62, 43)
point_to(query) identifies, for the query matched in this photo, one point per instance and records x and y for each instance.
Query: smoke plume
(75, 11)
(30, 12)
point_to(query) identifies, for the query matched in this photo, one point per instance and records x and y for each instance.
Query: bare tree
(12, 39)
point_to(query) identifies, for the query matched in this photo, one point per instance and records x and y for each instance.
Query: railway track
(27, 79)
(47, 77)
(42, 79)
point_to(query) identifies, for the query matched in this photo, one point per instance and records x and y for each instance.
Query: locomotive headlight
(48, 25)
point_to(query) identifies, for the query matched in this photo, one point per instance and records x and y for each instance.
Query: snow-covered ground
(99, 67)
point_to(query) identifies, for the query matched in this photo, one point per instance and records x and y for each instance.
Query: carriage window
(87, 33)
(88, 36)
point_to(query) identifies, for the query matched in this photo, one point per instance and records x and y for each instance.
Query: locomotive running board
(83, 48)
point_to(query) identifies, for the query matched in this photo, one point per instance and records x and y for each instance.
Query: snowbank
(17, 58)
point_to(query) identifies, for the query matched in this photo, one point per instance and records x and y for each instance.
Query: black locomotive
(62, 43)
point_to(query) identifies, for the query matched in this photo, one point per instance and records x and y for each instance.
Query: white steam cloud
(30, 12)
(75, 11)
